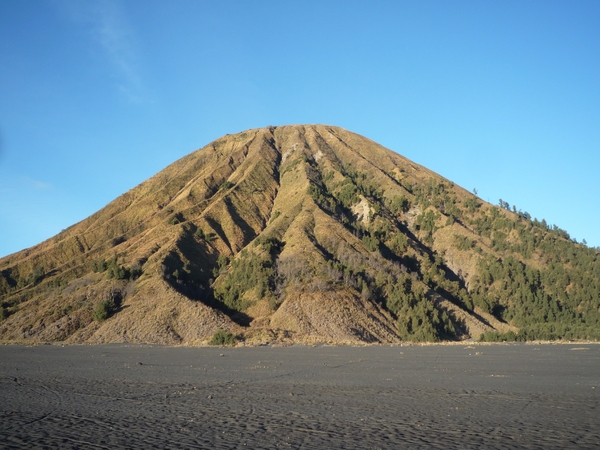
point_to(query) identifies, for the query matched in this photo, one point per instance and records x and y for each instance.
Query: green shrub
(99, 265)
(116, 271)
(371, 242)
(398, 244)
(348, 194)
(177, 218)
(271, 244)
(250, 272)
(463, 243)
(273, 303)
(274, 216)
(206, 237)
(399, 204)
(227, 185)
(103, 310)
(426, 221)
(222, 262)
(36, 276)
(200, 233)
(222, 337)
(472, 204)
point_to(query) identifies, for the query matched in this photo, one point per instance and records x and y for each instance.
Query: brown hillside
(298, 233)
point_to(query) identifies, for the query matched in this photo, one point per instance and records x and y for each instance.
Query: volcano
(300, 234)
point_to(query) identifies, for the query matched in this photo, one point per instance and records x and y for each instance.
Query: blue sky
(97, 96)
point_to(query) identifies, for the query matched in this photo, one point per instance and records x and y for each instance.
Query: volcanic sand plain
(438, 396)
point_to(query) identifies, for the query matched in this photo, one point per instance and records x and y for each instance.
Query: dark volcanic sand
(116, 396)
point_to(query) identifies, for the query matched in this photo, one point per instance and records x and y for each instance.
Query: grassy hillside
(301, 234)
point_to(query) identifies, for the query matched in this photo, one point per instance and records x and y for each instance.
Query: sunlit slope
(300, 234)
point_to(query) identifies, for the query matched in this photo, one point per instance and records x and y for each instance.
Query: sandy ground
(118, 396)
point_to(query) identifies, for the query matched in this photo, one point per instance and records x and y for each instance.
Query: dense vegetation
(560, 300)
(252, 273)
(557, 297)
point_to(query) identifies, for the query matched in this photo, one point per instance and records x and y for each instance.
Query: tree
(103, 310)
(222, 337)
(37, 274)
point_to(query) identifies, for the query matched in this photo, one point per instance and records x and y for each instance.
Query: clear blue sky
(97, 96)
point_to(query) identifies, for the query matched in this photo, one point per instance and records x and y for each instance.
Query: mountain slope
(300, 234)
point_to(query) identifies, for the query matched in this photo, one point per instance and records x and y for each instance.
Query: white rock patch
(362, 210)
